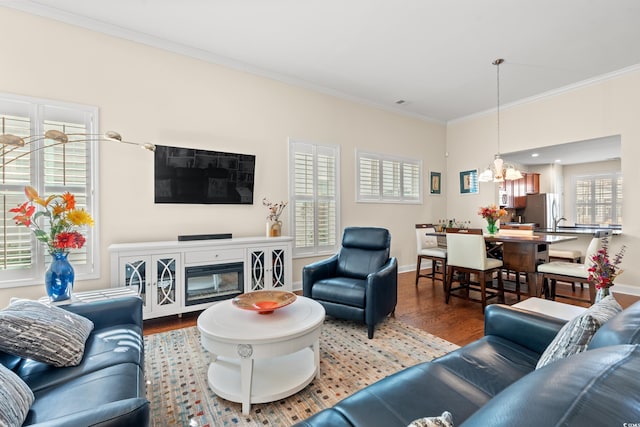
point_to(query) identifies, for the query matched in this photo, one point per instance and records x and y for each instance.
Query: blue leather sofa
(493, 381)
(107, 388)
(358, 283)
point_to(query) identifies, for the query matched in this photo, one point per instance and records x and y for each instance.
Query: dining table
(523, 253)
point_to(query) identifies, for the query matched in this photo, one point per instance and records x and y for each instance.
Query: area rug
(176, 372)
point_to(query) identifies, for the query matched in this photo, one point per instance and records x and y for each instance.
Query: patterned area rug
(176, 371)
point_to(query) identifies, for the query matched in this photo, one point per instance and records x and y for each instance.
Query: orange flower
(69, 201)
(24, 213)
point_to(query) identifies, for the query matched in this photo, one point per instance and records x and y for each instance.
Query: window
(383, 178)
(599, 199)
(69, 167)
(314, 193)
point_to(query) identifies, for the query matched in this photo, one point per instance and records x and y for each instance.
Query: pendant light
(499, 171)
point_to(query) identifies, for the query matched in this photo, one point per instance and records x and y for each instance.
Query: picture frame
(435, 182)
(469, 182)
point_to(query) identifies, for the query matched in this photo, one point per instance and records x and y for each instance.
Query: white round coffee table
(262, 357)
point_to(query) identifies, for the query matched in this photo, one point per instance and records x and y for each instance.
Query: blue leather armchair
(360, 282)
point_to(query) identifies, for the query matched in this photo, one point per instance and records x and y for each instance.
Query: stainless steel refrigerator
(542, 209)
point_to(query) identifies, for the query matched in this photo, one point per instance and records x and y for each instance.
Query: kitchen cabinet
(517, 190)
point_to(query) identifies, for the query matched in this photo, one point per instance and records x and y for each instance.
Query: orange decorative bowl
(264, 302)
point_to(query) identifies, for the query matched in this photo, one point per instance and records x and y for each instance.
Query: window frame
(39, 111)
(296, 146)
(615, 203)
(381, 158)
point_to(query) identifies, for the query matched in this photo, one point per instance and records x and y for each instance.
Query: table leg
(246, 374)
(316, 357)
(532, 284)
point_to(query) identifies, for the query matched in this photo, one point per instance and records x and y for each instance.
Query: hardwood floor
(422, 306)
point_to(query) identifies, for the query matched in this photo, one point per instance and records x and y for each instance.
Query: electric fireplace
(207, 283)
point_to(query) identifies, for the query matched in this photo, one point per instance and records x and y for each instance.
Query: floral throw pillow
(444, 420)
(575, 336)
(45, 333)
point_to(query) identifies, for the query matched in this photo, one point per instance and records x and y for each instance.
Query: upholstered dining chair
(428, 249)
(466, 254)
(570, 272)
(358, 283)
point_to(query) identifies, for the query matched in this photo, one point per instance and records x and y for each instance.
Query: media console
(175, 277)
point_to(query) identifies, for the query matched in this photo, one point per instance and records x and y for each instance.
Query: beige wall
(151, 95)
(608, 108)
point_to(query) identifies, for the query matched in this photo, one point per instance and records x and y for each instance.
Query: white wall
(151, 95)
(607, 108)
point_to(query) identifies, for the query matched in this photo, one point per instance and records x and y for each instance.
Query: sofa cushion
(44, 333)
(444, 420)
(574, 337)
(90, 392)
(594, 388)
(105, 347)
(624, 328)
(15, 398)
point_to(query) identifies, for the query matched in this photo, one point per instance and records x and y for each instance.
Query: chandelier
(10, 143)
(499, 171)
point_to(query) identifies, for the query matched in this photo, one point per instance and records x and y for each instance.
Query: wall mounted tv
(185, 175)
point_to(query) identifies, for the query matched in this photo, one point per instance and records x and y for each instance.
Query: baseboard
(621, 288)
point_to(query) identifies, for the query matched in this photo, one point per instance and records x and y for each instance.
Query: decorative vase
(274, 228)
(492, 228)
(58, 280)
(601, 294)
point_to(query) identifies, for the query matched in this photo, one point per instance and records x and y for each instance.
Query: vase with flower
(492, 214)
(55, 224)
(274, 225)
(604, 270)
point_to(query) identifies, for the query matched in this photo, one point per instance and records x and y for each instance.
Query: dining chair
(466, 254)
(428, 249)
(570, 272)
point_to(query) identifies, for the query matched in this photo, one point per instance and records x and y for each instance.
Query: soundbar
(188, 237)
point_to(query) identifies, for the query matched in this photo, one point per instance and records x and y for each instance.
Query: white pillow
(444, 420)
(42, 332)
(15, 398)
(574, 337)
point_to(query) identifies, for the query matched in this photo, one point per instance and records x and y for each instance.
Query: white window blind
(599, 199)
(54, 170)
(383, 178)
(313, 191)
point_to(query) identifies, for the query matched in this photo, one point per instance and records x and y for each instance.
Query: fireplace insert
(207, 283)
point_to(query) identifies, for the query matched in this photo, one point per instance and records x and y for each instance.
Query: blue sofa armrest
(531, 330)
(317, 271)
(128, 412)
(109, 312)
(384, 298)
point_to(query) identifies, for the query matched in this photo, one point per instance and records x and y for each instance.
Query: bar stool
(467, 254)
(427, 248)
(571, 272)
(567, 255)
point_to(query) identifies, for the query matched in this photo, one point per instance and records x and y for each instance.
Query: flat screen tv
(185, 175)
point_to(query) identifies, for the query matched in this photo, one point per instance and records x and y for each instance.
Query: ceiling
(587, 151)
(435, 55)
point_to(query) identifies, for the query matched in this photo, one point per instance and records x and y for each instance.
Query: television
(186, 175)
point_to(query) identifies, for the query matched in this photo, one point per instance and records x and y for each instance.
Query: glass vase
(58, 279)
(492, 228)
(274, 228)
(601, 294)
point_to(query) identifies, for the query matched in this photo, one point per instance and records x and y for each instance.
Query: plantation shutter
(599, 199)
(385, 178)
(50, 170)
(314, 194)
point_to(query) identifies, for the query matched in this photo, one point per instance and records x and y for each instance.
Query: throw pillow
(44, 333)
(444, 420)
(15, 398)
(574, 337)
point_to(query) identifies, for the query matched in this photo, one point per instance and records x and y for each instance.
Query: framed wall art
(469, 182)
(435, 179)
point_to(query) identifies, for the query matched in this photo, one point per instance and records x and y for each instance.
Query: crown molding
(552, 93)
